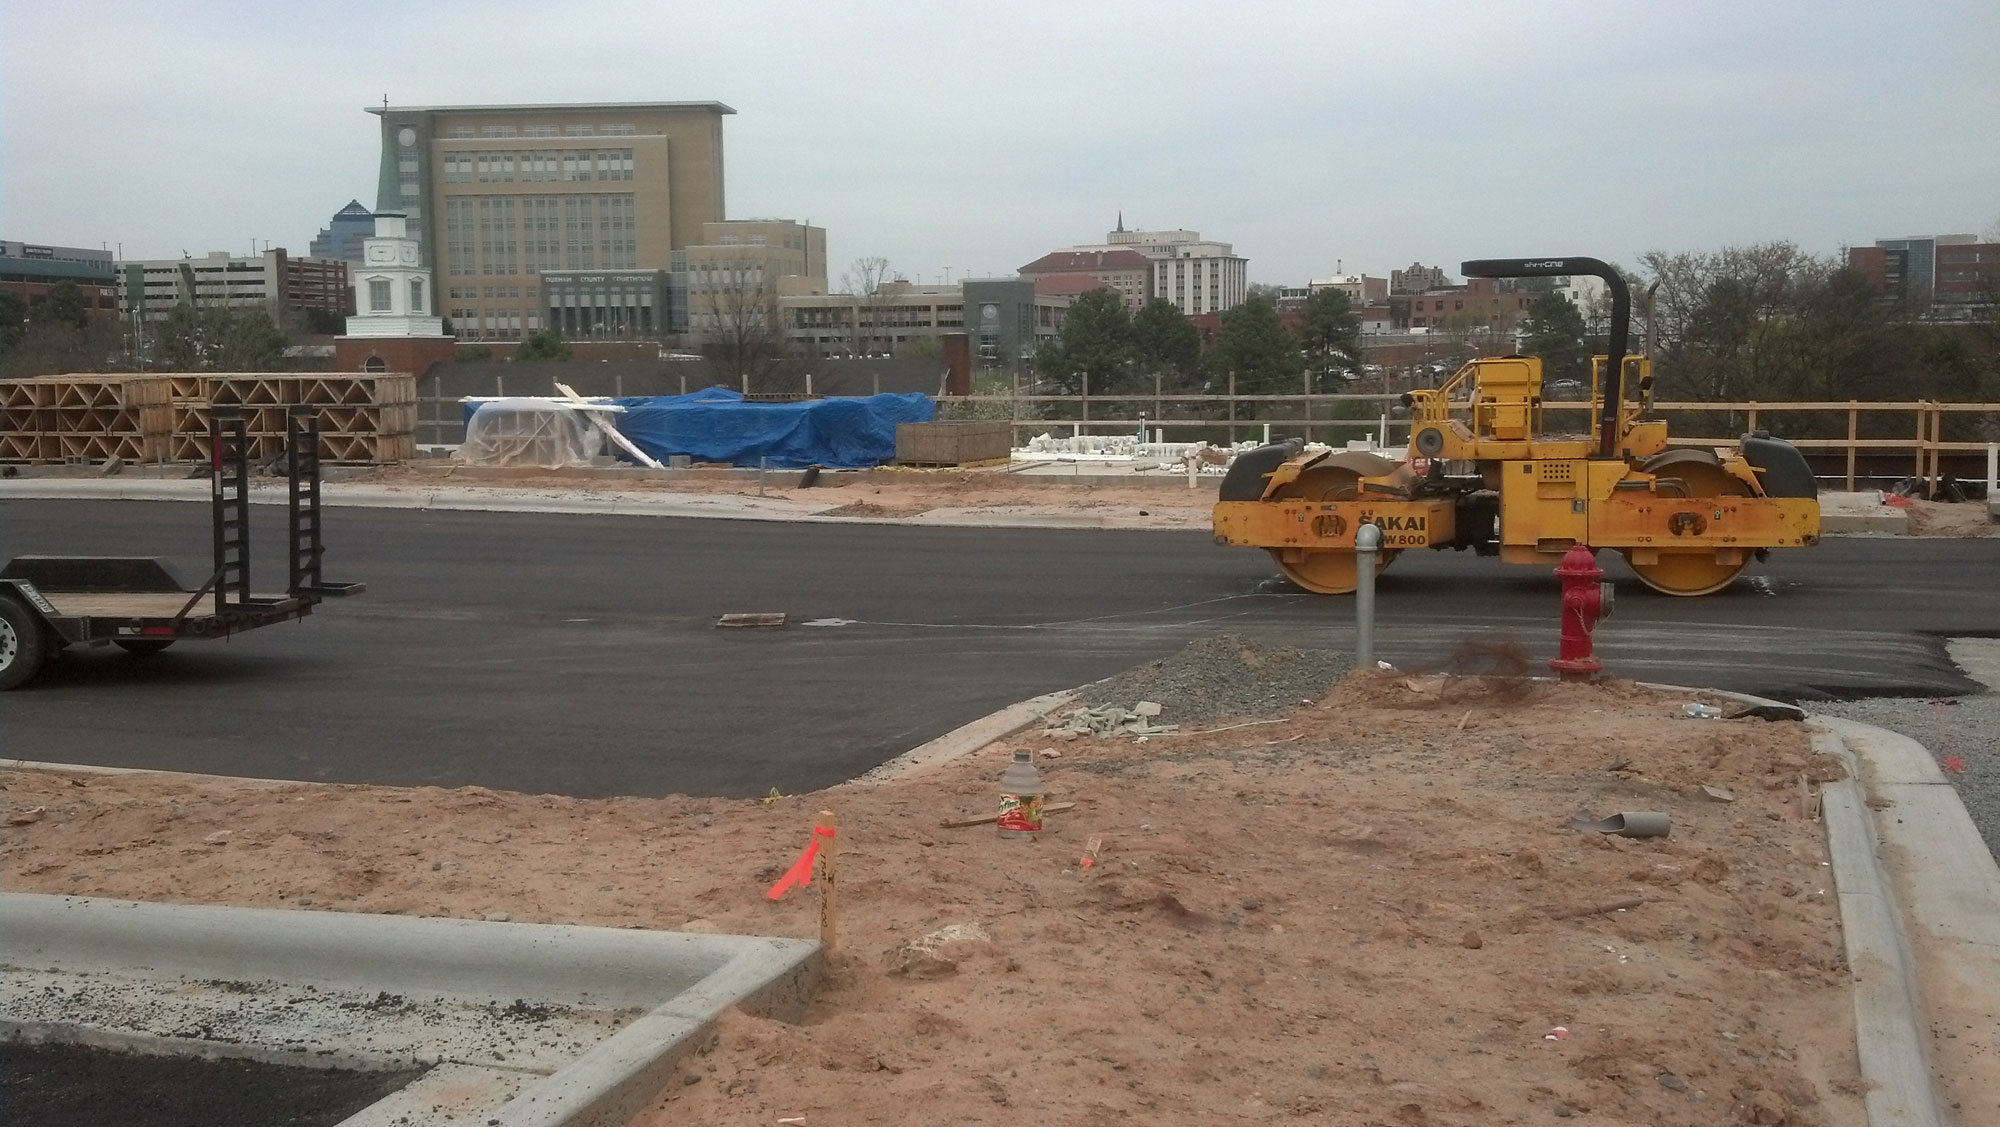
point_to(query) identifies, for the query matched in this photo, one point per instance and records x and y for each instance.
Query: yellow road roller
(1484, 472)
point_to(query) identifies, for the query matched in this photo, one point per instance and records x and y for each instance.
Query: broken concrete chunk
(1109, 720)
(937, 955)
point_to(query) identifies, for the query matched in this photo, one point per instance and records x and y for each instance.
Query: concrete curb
(968, 738)
(1888, 1023)
(681, 982)
(94, 769)
(486, 499)
(602, 498)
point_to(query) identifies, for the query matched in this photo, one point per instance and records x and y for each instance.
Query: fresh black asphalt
(579, 654)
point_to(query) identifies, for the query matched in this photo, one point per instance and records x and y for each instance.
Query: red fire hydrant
(1585, 600)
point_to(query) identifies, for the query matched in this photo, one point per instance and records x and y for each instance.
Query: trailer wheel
(141, 647)
(23, 646)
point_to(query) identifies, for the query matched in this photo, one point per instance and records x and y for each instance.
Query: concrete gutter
(968, 738)
(1951, 886)
(613, 1009)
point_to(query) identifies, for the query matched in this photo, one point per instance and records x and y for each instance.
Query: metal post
(1992, 472)
(761, 459)
(1367, 541)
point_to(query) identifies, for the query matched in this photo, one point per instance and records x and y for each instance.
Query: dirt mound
(1225, 677)
(1928, 518)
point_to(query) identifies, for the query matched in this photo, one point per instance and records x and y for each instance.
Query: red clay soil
(1370, 912)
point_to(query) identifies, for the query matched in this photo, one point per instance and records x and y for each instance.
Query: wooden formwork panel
(951, 444)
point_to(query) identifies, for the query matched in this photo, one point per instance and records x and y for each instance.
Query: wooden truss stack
(85, 418)
(365, 417)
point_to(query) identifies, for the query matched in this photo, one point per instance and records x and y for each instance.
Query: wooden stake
(829, 904)
(1596, 909)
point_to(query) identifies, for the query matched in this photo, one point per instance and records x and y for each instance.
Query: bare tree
(864, 281)
(742, 332)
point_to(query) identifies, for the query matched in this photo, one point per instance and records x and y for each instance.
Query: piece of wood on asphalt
(751, 620)
(961, 823)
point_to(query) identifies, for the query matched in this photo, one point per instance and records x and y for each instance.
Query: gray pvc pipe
(1367, 541)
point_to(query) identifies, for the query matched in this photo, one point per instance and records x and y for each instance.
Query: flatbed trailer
(48, 603)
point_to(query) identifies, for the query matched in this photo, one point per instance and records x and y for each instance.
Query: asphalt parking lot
(579, 654)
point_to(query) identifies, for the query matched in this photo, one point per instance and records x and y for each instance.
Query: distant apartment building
(344, 234)
(499, 194)
(1479, 304)
(27, 270)
(1004, 319)
(274, 280)
(1361, 290)
(740, 266)
(1966, 274)
(1196, 275)
(1950, 270)
(1071, 272)
(1417, 279)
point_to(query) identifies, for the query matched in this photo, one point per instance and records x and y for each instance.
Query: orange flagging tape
(801, 872)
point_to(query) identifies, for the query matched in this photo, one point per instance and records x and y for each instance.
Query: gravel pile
(1224, 677)
(1965, 728)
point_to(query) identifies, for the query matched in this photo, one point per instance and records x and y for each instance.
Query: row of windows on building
(571, 165)
(463, 132)
(511, 235)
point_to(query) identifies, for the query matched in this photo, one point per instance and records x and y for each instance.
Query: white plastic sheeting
(529, 432)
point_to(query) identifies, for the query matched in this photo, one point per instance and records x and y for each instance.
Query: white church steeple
(393, 296)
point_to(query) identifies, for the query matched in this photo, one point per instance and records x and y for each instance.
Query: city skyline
(1303, 135)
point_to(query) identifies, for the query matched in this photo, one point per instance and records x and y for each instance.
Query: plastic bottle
(1020, 798)
(1702, 712)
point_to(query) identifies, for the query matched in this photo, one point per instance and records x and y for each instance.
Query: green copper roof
(388, 187)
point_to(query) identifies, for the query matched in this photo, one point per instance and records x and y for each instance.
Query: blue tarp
(716, 425)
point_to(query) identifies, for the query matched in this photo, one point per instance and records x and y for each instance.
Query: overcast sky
(976, 137)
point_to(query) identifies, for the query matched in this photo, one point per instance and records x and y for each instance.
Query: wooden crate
(952, 444)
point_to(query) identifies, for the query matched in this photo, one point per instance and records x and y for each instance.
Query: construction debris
(985, 819)
(777, 619)
(1105, 721)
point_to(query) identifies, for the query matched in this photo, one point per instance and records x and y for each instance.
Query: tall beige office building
(498, 194)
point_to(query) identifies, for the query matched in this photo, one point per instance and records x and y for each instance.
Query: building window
(498, 240)
(579, 233)
(375, 364)
(614, 164)
(378, 295)
(416, 295)
(458, 168)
